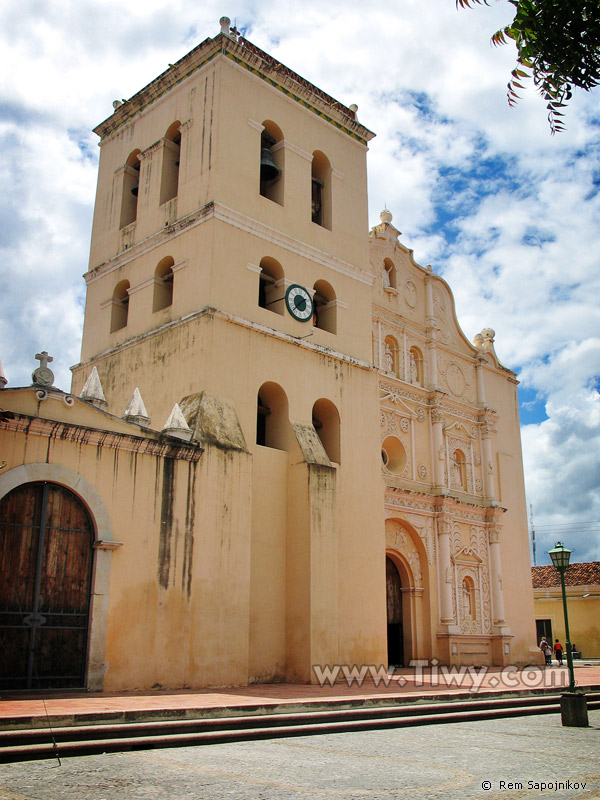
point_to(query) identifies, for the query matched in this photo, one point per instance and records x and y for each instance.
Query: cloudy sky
(508, 214)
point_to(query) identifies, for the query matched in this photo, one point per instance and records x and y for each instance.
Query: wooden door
(46, 555)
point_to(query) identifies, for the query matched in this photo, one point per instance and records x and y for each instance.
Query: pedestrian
(546, 650)
(558, 652)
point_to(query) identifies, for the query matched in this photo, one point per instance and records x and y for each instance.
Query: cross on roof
(44, 358)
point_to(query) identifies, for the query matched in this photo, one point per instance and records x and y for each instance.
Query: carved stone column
(488, 464)
(496, 574)
(430, 322)
(480, 384)
(437, 425)
(445, 570)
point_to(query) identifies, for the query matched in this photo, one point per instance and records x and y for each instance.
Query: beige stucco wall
(584, 616)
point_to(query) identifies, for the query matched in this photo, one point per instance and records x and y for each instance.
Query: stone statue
(414, 374)
(388, 358)
(386, 277)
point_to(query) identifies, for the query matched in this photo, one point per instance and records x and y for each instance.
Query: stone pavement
(406, 686)
(504, 759)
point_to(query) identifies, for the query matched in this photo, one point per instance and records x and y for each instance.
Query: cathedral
(279, 450)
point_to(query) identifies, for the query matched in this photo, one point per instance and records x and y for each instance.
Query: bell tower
(229, 273)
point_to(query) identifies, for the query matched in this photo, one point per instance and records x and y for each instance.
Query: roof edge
(260, 63)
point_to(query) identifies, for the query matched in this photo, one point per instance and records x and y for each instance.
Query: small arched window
(324, 307)
(272, 422)
(326, 420)
(389, 274)
(459, 471)
(131, 183)
(391, 356)
(169, 183)
(271, 294)
(321, 190)
(415, 366)
(120, 306)
(163, 284)
(271, 162)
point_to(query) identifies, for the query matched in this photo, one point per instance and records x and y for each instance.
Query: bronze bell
(269, 171)
(134, 191)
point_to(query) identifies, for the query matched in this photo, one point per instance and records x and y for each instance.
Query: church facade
(279, 450)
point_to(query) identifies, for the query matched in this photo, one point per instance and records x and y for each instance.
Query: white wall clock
(299, 303)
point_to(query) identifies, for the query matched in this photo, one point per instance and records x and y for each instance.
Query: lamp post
(573, 705)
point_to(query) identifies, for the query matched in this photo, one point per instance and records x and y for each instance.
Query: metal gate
(46, 555)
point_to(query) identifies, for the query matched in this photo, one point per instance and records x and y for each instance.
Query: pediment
(468, 556)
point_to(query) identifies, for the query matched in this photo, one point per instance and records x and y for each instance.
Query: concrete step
(21, 745)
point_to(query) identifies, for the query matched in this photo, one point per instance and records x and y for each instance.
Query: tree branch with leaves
(558, 47)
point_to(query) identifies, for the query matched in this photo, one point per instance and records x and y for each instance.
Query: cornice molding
(96, 437)
(208, 311)
(237, 220)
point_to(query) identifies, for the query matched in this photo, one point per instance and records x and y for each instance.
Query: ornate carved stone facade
(442, 502)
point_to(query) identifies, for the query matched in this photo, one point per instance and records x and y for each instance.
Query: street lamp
(573, 705)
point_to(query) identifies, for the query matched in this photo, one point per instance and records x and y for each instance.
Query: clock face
(299, 303)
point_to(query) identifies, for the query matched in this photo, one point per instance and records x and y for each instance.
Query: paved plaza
(526, 757)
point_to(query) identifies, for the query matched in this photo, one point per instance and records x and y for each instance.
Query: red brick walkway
(406, 684)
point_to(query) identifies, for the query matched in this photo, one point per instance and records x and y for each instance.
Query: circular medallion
(299, 303)
(455, 379)
(410, 294)
(43, 376)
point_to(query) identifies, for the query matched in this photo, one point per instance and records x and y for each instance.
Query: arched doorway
(395, 634)
(46, 557)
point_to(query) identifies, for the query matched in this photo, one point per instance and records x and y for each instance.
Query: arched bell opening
(326, 420)
(131, 183)
(120, 306)
(271, 295)
(321, 190)
(324, 307)
(163, 284)
(271, 162)
(272, 417)
(169, 183)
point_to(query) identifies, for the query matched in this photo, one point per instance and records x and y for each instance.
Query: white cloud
(509, 214)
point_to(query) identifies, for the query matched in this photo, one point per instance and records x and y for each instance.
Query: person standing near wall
(558, 652)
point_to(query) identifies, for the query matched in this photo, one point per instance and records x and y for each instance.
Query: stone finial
(42, 376)
(386, 216)
(3, 380)
(225, 23)
(136, 410)
(92, 390)
(484, 341)
(176, 425)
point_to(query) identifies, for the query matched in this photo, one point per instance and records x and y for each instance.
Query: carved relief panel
(463, 459)
(396, 447)
(458, 377)
(397, 538)
(471, 579)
